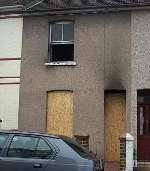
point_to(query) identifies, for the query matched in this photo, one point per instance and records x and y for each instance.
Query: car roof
(15, 131)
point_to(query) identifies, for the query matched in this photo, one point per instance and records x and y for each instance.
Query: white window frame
(51, 42)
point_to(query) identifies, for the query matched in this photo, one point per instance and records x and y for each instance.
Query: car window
(76, 147)
(66, 147)
(23, 147)
(30, 147)
(3, 139)
(43, 150)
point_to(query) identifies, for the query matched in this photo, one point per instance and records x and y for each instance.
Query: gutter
(17, 9)
(21, 10)
(10, 7)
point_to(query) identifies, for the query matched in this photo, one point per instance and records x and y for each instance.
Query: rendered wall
(118, 56)
(85, 79)
(102, 53)
(117, 51)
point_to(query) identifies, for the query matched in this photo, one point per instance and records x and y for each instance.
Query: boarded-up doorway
(115, 124)
(60, 113)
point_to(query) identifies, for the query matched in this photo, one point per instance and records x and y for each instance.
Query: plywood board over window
(115, 124)
(60, 113)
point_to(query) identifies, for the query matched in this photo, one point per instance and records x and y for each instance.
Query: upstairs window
(61, 43)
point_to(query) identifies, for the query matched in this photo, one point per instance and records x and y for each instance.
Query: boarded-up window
(60, 113)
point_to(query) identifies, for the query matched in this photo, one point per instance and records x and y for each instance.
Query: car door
(64, 158)
(24, 154)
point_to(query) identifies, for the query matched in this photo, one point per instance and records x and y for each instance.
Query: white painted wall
(9, 102)
(10, 47)
(10, 68)
(11, 37)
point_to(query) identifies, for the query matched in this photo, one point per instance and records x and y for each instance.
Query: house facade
(85, 73)
(87, 96)
(10, 60)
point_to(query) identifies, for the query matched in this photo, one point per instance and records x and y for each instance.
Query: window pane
(56, 32)
(77, 148)
(43, 150)
(68, 32)
(62, 52)
(3, 139)
(142, 121)
(23, 147)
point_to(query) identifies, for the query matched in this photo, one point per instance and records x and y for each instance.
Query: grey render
(103, 57)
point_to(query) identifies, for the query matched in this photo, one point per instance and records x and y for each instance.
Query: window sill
(65, 63)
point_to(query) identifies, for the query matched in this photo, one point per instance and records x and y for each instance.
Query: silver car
(20, 151)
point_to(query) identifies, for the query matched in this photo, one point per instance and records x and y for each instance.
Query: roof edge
(11, 9)
(19, 9)
(73, 11)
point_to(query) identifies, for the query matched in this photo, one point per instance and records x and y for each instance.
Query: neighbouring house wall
(11, 37)
(86, 79)
(9, 100)
(10, 68)
(140, 45)
(10, 57)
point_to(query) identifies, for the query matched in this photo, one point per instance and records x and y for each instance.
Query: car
(28, 151)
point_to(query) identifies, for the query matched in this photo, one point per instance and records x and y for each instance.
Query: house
(10, 60)
(85, 72)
